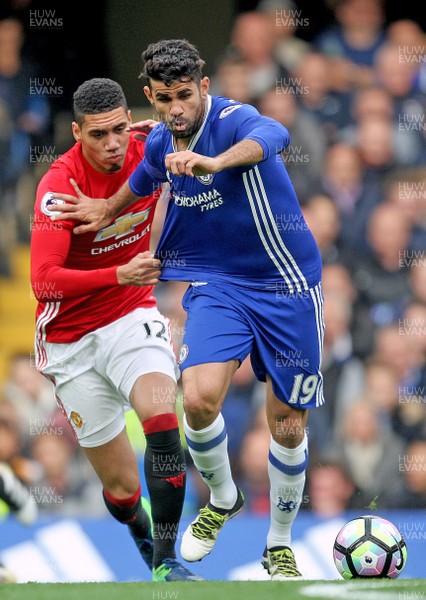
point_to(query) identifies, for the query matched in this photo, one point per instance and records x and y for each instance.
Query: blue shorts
(282, 332)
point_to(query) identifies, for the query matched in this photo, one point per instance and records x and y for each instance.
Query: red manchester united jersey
(74, 276)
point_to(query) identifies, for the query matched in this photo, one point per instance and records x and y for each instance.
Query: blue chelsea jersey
(242, 225)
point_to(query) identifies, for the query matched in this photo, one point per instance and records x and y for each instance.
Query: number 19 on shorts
(304, 387)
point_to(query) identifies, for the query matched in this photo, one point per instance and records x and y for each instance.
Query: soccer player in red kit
(100, 338)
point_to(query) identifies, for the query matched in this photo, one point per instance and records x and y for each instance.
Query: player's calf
(130, 512)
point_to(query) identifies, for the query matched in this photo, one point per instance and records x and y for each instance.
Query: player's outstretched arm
(94, 213)
(258, 137)
(50, 278)
(246, 152)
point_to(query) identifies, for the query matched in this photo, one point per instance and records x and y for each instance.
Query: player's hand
(143, 128)
(190, 163)
(143, 269)
(93, 212)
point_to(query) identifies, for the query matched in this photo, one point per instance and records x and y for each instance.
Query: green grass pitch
(381, 589)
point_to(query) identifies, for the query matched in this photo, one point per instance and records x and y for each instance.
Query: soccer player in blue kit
(254, 283)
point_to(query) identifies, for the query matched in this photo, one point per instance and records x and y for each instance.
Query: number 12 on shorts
(155, 328)
(304, 388)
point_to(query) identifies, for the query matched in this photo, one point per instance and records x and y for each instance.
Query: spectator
(374, 103)
(286, 19)
(26, 114)
(409, 420)
(400, 407)
(370, 452)
(252, 39)
(232, 79)
(393, 344)
(11, 446)
(417, 278)
(407, 32)
(18, 500)
(353, 41)
(380, 279)
(323, 219)
(330, 488)
(30, 394)
(396, 72)
(415, 316)
(411, 39)
(304, 157)
(405, 189)
(337, 280)
(375, 143)
(65, 484)
(15, 472)
(330, 108)
(343, 180)
(413, 467)
(381, 387)
(413, 324)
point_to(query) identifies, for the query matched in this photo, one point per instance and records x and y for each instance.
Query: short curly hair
(97, 95)
(172, 60)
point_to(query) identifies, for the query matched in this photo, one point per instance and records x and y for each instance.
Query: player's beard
(114, 168)
(191, 126)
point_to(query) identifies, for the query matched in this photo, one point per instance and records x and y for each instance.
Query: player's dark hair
(172, 60)
(95, 96)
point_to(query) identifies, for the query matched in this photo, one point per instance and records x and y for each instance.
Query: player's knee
(288, 428)
(200, 405)
(122, 486)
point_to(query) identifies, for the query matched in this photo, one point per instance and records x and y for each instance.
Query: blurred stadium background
(358, 163)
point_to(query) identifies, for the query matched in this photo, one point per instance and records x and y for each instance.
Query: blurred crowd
(353, 100)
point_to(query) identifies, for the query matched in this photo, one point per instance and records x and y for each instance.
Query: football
(369, 546)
